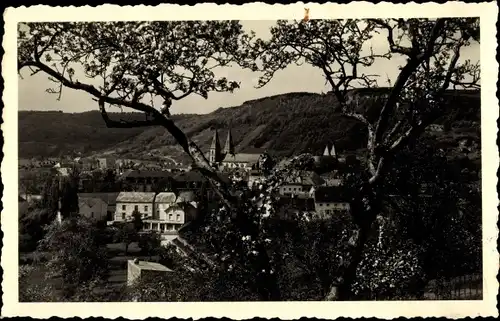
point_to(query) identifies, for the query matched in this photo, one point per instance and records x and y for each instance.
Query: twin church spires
(330, 152)
(216, 155)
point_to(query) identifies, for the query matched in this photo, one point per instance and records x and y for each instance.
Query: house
(300, 183)
(106, 163)
(137, 269)
(254, 179)
(146, 180)
(329, 200)
(172, 212)
(128, 202)
(289, 208)
(194, 181)
(93, 208)
(331, 179)
(109, 199)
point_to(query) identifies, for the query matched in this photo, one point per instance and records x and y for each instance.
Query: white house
(329, 200)
(300, 184)
(172, 212)
(128, 202)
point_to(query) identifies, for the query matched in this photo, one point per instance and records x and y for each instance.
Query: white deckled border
(287, 310)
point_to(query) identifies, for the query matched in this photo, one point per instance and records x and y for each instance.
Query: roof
(186, 197)
(153, 266)
(329, 194)
(215, 141)
(242, 158)
(90, 202)
(135, 197)
(305, 178)
(165, 197)
(109, 198)
(137, 173)
(195, 176)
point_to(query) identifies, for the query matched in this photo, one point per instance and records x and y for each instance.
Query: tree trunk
(344, 292)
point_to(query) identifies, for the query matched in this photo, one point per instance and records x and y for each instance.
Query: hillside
(283, 124)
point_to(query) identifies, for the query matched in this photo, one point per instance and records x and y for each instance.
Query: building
(93, 208)
(107, 201)
(128, 202)
(172, 212)
(146, 180)
(106, 163)
(254, 179)
(329, 200)
(138, 269)
(300, 184)
(228, 158)
(331, 179)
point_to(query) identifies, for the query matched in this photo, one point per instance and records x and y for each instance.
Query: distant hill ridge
(284, 124)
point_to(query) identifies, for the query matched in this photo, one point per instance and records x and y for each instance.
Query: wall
(161, 208)
(96, 212)
(129, 209)
(329, 208)
(289, 189)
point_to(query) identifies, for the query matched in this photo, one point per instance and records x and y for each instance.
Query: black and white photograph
(306, 159)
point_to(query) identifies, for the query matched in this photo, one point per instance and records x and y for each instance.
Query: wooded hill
(283, 124)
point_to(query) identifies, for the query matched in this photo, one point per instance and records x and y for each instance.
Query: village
(169, 198)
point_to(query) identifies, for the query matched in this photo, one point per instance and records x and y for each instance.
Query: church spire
(332, 151)
(215, 148)
(229, 147)
(326, 152)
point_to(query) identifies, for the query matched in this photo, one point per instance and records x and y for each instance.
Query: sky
(305, 78)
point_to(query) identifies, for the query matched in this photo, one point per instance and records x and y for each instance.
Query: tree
(150, 243)
(135, 63)
(127, 233)
(432, 50)
(77, 255)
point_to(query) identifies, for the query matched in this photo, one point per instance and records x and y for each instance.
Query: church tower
(215, 152)
(333, 152)
(229, 147)
(326, 152)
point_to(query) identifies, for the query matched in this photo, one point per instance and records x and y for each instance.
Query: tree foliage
(77, 253)
(432, 48)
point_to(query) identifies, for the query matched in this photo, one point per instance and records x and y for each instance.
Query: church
(227, 158)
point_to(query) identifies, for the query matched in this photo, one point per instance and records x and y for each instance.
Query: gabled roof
(215, 141)
(325, 194)
(109, 198)
(135, 197)
(90, 202)
(242, 158)
(165, 197)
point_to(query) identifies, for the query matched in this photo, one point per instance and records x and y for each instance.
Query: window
(170, 217)
(328, 212)
(320, 204)
(145, 208)
(136, 208)
(178, 218)
(123, 215)
(124, 207)
(92, 214)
